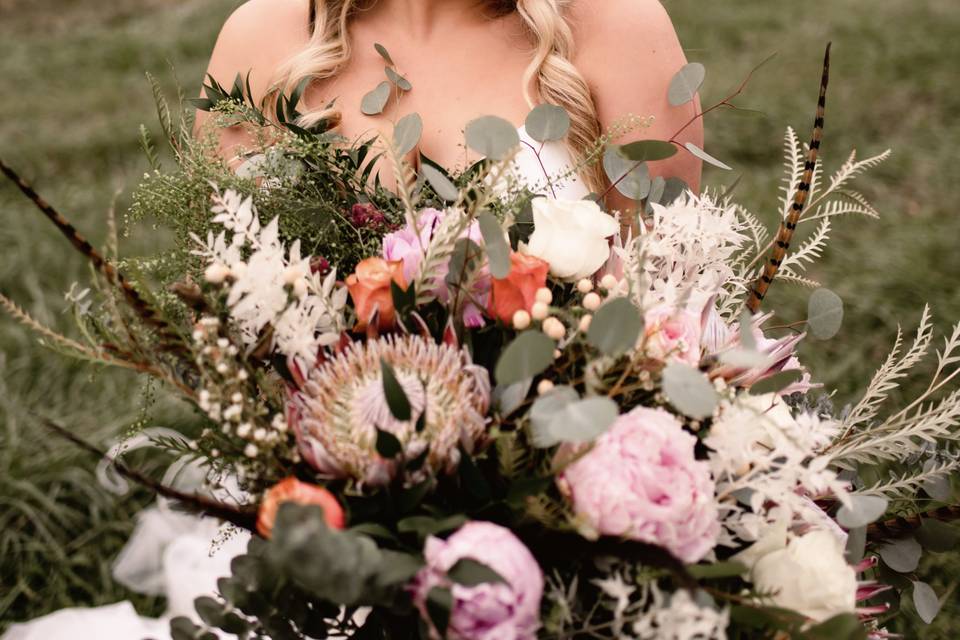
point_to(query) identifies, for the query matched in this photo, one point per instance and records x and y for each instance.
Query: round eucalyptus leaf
(547, 122)
(440, 183)
(508, 398)
(686, 83)
(495, 243)
(856, 545)
(561, 416)
(528, 355)
(407, 132)
(545, 408)
(374, 102)
(706, 157)
(689, 390)
(824, 314)
(862, 511)
(648, 150)
(926, 602)
(903, 556)
(631, 179)
(492, 137)
(402, 83)
(937, 536)
(615, 327)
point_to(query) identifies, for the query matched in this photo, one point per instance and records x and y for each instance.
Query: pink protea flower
(488, 611)
(404, 245)
(341, 405)
(779, 353)
(641, 481)
(672, 334)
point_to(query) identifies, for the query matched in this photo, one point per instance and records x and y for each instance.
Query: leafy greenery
(77, 138)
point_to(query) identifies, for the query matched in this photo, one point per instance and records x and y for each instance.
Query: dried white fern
(809, 252)
(907, 484)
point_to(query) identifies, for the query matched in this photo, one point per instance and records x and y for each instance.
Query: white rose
(809, 575)
(571, 235)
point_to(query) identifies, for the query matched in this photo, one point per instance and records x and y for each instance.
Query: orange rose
(518, 289)
(292, 490)
(369, 287)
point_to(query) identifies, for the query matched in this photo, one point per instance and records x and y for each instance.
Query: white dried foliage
(908, 483)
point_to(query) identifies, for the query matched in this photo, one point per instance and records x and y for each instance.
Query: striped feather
(789, 223)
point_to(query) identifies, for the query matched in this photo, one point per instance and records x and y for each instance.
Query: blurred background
(74, 95)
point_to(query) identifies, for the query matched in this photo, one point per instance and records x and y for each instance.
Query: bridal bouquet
(465, 408)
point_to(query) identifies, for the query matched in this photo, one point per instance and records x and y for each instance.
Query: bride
(598, 59)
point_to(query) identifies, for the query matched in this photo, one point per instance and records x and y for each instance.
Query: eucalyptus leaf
(375, 101)
(402, 83)
(657, 186)
(407, 132)
(717, 570)
(545, 408)
(856, 545)
(527, 356)
(584, 421)
(686, 83)
(863, 510)
(673, 189)
(824, 314)
(630, 179)
(491, 137)
(926, 602)
(508, 398)
(689, 390)
(440, 183)
(547, 122)
(616, 327)
(903, 556)
(495, 241)
(706, 157)
(648, 150)
(397, 400)
(382, 50)
(439, 607)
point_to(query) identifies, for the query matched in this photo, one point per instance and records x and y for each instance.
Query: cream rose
(809, 575)
(570, 235)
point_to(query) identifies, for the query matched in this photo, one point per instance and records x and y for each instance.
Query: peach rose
(518, 290)
(292, 490)
(369, 287)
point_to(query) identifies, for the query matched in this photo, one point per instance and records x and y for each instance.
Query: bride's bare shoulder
(257, 38)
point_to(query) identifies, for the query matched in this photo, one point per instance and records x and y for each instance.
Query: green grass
(74, 95)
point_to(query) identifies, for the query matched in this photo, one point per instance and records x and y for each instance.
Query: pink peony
(672, 334)
(641, 481)
(492, 610)
(404, 245)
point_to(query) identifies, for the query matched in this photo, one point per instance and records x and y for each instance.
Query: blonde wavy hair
(550, 77)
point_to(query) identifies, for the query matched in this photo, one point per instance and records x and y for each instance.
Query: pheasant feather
(789, 223)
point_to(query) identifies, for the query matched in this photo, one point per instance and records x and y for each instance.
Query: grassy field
(74, 94)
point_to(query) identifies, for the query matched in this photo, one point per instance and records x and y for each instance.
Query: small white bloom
(260, 434)
(251, 450)
(571, 235)
(243, 431)
(608, 282)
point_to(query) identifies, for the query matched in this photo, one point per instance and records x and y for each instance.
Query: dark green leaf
(374, 102)
(527, 356)
(439, 606)
(938, 536)
(686, 83)
(716, 570)
(491, 137)
(616, 327)
(495, 241)
(463, 260)
(648, 150)
(388, 446)
(470, 573)
(476, 485)
(396, 397)
(210, 610)
(845, 626)
(425, 526)
(547, 122)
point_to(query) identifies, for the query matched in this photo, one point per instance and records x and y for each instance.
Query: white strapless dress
(180, 556)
